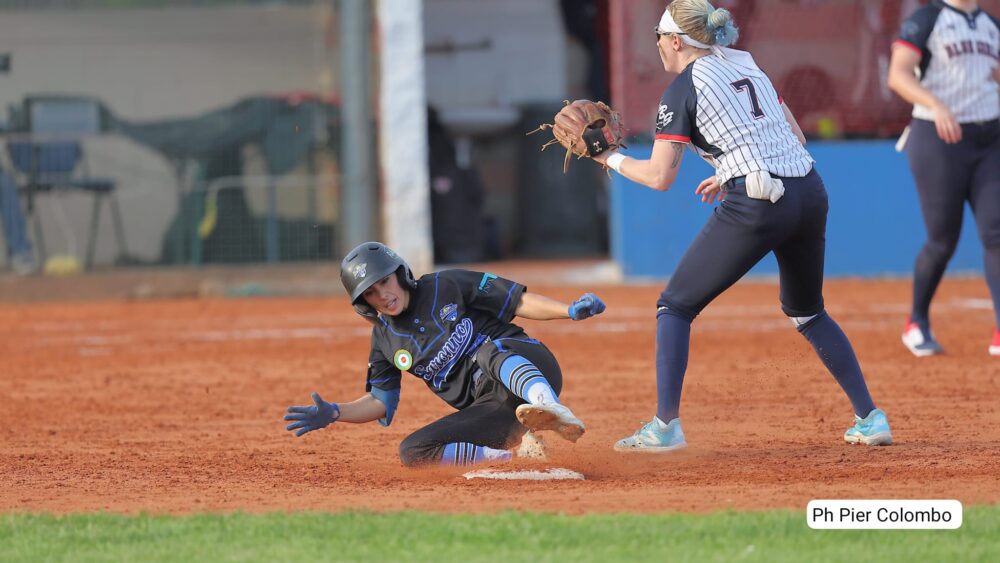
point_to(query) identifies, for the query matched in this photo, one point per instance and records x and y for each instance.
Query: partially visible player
(773, 200)
(454, 330)
(945, 62)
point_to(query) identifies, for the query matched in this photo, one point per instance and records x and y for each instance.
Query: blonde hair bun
(721, 27)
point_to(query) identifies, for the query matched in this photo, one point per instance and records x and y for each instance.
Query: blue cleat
(873, 430)
(652, 438)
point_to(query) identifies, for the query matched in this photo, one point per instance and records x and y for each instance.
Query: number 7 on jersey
(744, 84)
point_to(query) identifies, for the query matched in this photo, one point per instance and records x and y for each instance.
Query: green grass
(509, 536)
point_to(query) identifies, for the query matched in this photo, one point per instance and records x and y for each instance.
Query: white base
(551, 474)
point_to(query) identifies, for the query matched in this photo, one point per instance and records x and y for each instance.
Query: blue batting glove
(312, 417)
(585, 307)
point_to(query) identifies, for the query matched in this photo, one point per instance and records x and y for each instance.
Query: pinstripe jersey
(732, 113)
(959, 53)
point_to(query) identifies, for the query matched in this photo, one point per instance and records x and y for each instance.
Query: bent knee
(803, 312)
(941, 249)
(667, 306)
(413, 453)
(802, 322)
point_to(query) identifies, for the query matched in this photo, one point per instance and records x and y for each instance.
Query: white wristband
(614, 161)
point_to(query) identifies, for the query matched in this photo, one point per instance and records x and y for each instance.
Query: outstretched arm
(659, 172)
(321, 414)
(540, 308)
(363, 409)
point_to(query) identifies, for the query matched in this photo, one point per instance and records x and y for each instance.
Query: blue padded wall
(874, 226)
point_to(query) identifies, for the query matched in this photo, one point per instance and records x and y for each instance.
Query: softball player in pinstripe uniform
(772, 200)
(945, 62)
(454, 330)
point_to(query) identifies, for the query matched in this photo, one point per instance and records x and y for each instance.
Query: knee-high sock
(835, 350)
(464, 453)
(991, 258)
(526, 381)
(927, 273)
(673, 338)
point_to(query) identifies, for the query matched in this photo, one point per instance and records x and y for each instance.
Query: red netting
(827, 58)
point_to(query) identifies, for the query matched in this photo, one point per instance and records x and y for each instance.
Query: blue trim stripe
(402, 335)
(524, 340)
(507, 301)
(416, 344)
(433, 309)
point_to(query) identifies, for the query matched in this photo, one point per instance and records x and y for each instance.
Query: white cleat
(919, 342)
(554, 417)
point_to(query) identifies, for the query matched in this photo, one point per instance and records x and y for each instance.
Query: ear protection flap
(365, 310)
(405, 277)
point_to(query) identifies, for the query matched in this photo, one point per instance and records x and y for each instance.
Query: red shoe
(995, 344)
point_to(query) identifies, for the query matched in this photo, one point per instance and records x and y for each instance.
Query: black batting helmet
(366, 264)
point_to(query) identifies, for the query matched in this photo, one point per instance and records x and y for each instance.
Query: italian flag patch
(403, 360)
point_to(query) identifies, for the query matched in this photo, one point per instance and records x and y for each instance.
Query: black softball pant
(740, 232)
(489, 421)
(946, 177)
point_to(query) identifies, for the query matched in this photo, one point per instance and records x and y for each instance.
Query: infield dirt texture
(175, 406)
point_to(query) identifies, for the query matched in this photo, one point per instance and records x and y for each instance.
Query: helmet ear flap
(366, 310)
(405, 277)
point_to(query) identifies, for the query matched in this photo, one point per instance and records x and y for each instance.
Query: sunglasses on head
(661, 33)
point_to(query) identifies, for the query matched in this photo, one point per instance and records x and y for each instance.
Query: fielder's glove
(312, 417)
(585, 128)
(585, 307)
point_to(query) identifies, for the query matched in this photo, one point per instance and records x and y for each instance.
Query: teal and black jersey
(450, 315)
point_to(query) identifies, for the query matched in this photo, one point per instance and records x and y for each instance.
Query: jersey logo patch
(486, 283)
(449, 312)
(360, 270)
(403, 360)
(663, 116)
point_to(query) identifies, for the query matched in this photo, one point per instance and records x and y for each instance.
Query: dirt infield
(176, 405)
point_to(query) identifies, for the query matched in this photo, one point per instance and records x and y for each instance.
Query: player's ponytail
(720, 25)
(704, 23)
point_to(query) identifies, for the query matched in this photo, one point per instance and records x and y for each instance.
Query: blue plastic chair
(50, 166)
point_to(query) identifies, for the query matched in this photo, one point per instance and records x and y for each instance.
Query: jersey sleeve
(487, 292)
(674, 120)
(996, 24)
(383, 381)
(916, 29)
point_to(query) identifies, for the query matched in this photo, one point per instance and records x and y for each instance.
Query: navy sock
(927, 273)
(673, 338)
(991, 258)
(833, 347)
(464, 453)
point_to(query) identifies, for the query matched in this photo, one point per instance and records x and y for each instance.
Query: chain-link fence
(180, 132)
